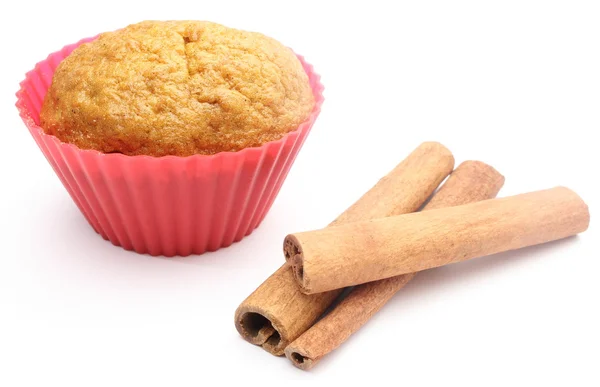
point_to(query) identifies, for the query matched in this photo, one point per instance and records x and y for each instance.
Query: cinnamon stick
(362, 252)
(277, 312)
(472, 181)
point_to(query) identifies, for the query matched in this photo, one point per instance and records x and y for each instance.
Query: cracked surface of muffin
(176, 88)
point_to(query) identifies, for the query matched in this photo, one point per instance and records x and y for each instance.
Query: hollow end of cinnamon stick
(293, 254)
(290, 248)
(300, 360)
(256, 328)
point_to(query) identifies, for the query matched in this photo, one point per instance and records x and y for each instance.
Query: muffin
(172, 138)
(177, 88)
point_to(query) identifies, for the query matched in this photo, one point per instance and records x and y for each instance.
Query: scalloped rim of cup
(30, 122)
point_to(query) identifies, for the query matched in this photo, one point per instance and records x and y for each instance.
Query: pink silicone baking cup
(166, 205)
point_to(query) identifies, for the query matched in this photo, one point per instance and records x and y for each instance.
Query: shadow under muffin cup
(166, 205)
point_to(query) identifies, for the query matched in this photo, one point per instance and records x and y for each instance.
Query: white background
(513, 83)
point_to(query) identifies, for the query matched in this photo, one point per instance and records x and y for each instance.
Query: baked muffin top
(176, 88)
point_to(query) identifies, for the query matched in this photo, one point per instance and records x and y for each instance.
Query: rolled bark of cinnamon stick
(277, 312)
(472, 181)
(361, 252)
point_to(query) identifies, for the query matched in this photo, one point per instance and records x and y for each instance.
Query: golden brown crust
(177, 88)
